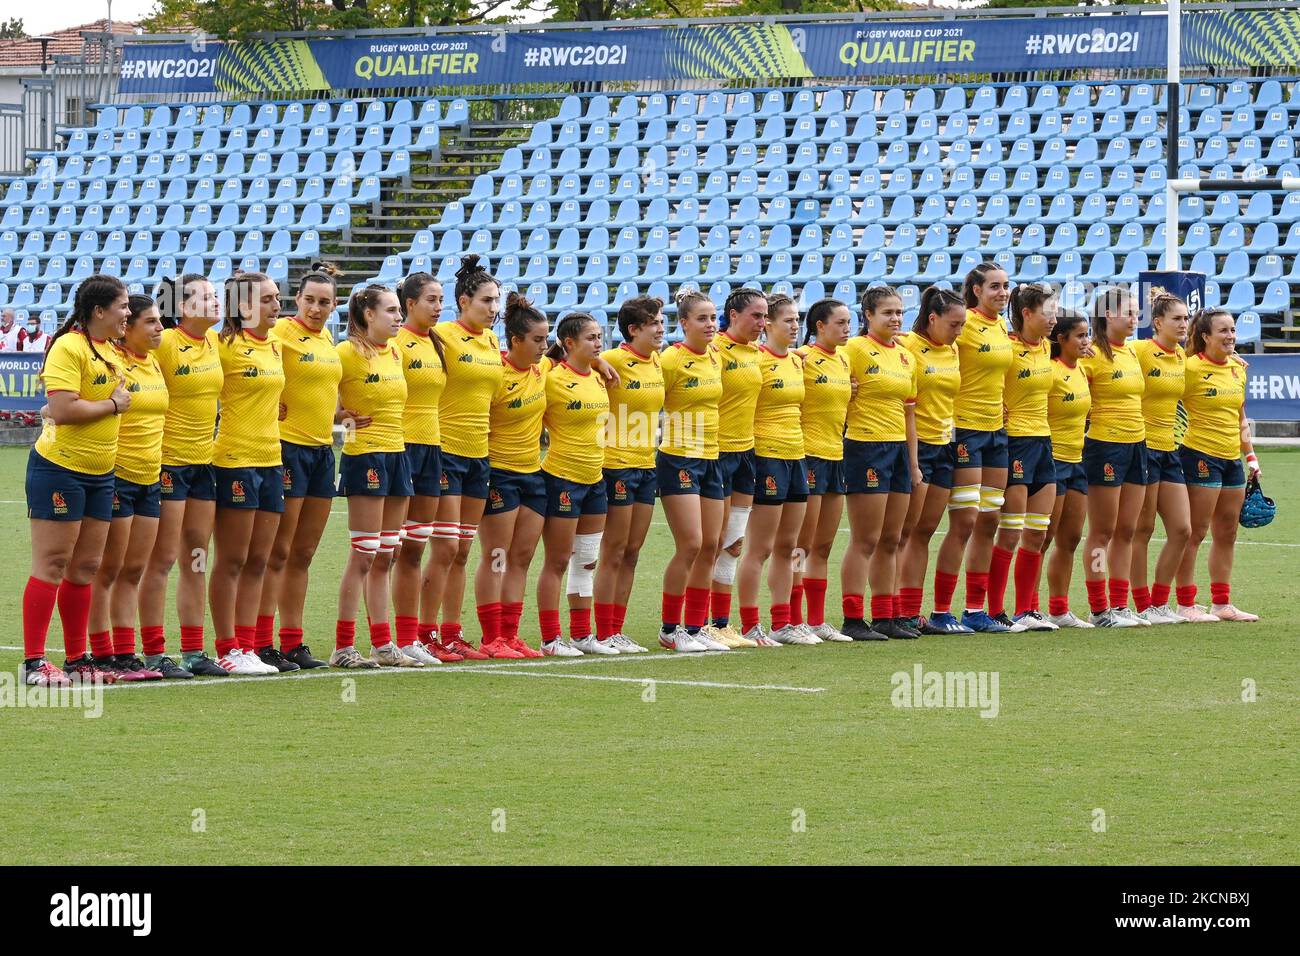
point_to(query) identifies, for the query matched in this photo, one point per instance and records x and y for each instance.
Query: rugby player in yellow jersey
(246, 462)
(689, 476)
(932, 340)
(980, 450)
(744, 316)
(577, 408)
(780, 482)
(115, 596)
(474, 373)
(374, 475)
(311, 384)
(69, 496)
(631, 483)
(1031, 479)
(1068, 404)
(1163, 364)
(1214, 396)
(827, 388)
(516, 507)
(880, 465)
(1114, 456)
(190, 310)
(420, 296)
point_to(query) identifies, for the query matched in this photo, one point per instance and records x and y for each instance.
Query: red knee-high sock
(450, 631)
(101, 643)
(780, 616)
(380, 633)
(910, 600)
(264, 631)
(39, 598)
(489, 621)
(999, 572)
(977, 586)
(854, 606)
(620, 617)
(345, 634)
(1220, 592)
(579, 622)
(1028, 565)
(882, 606)
(407, 629)
(796, 604)
(74, 612)
(290, 639)
(748, 617)
(1118, 592)
(672, 610)
(246, 636)
(1186, 595)
(192, 639)
(154, 640)
(1058, 604)
(124, 640)
(720, 607)
(549, 621)
(945, 585)
(814, 590)
(1159, 595)
(604, 620)
(1141, 598)
(511, 612)
(1096, 596)
(696, 603)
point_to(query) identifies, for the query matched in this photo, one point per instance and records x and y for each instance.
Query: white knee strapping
(1011, 522)
(416, 531)
(466, 532)
(444, 530)
(364, 542)
(964, 496)
(737, 521)
(388, 541)
(1037, 522)
(991, 499)
(586, 548)
(724, 569)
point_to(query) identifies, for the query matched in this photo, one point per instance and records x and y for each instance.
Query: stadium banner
(1188, 286)
(1273, 388)
(21, 388)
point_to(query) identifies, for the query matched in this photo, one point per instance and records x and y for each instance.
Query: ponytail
(737, 301)
(470, 277)
(520, 317)
(974, 279)
(362, 299)
(241, 288)
(95, 292)
(570, 327)
(1025, 298)
(820, 311)
(170, 295)
(1108, 299)
(408, 290)
(934, 302)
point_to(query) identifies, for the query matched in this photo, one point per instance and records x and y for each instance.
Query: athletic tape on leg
(1037, 522)
(737, 522)
(388, 541)
(416, 531)
(586, 548)
(1011, 522)
(991, 499)
(964, 496)
(364, 542)
(724, 569)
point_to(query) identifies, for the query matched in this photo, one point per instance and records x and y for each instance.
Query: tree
(12, 29)
(234, 18)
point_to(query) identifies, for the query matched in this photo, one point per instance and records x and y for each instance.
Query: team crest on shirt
(620, 490)
(770, 485)
(1202, 468)
(165, 480)
(963, 453)
(59, 503)
(1108, 472)
(237, 492)
(372, 478)
(684, 477)
(873, 478)
(1018, 468)
(566, 501)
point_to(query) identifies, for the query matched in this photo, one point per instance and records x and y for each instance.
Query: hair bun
(468, 266)
(329, 268)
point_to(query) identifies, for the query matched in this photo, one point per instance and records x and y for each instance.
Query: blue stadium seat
(1241, 297)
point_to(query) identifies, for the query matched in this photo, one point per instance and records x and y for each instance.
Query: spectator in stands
(33, 338)
(10, 332)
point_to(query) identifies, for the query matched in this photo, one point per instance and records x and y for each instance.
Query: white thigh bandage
(737, 522)
(991, 499)
(416, 531)
(1011, 522)
(724, 569)
(364, 542)
(1035, 522)
(964, 496)
(388, 541)
(582, 565)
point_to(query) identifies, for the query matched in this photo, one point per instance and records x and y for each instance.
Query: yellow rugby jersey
(1028, 381)
(248, 431)
(1067, 410)
(887, 379)
(1116, 385)
(71, 366)
(577, 407)
(984, 347)
(192, 368)
(778, 426)
(311, 382)
(634, 406)
(373, 385)
(692, 391)
(425, 381)
(826, 393)
(938, 377)
(1213, 396)
(1163, 373)
(139, 439)
(474, 373)
(741, 380)
(515, 443)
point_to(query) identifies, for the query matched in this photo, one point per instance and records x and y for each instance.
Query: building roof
(27, 52)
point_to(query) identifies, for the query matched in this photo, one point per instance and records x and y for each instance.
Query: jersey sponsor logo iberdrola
(574, 406)
(307, 357)
(1211, 392)
(372, 378)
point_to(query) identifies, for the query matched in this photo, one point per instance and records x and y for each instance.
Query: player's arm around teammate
(247, 466)
(1068, 404)
(374, 476)
(1031, 479)
(1163, 370)
(828, 386)
(115, 597)
(577, 407)
(311, 383)
(1114, 457)
(689, 475)
(932, 343)
(191, 366)
(69, 499)
(880, 464)
(1214, 396)
(631, 484)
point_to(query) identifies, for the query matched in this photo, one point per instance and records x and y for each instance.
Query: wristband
(1250, 457)
(116, 410)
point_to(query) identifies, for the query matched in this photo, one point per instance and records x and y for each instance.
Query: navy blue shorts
(739, 472)
(976, 449)
(1031, 462)
(131, 499)
(936, 463)
(825, 477)
(877, 467)
(249, 488)
(55, 493)
(425, 465)
(630, 486)
(572, 499)
(1207, 471)
(182, 482)
(1113, 463)
(1070, 476)
(308, 470)
(382, 474)
(689, 476)
(778, 480)
(1164, 466)
(464, 477)
(507, 490)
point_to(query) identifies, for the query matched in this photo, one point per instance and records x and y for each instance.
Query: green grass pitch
(1128, 747)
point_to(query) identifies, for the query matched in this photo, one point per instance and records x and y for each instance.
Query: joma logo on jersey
(466, 357)
(100, 379)
(571, 385)
(372, 378)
